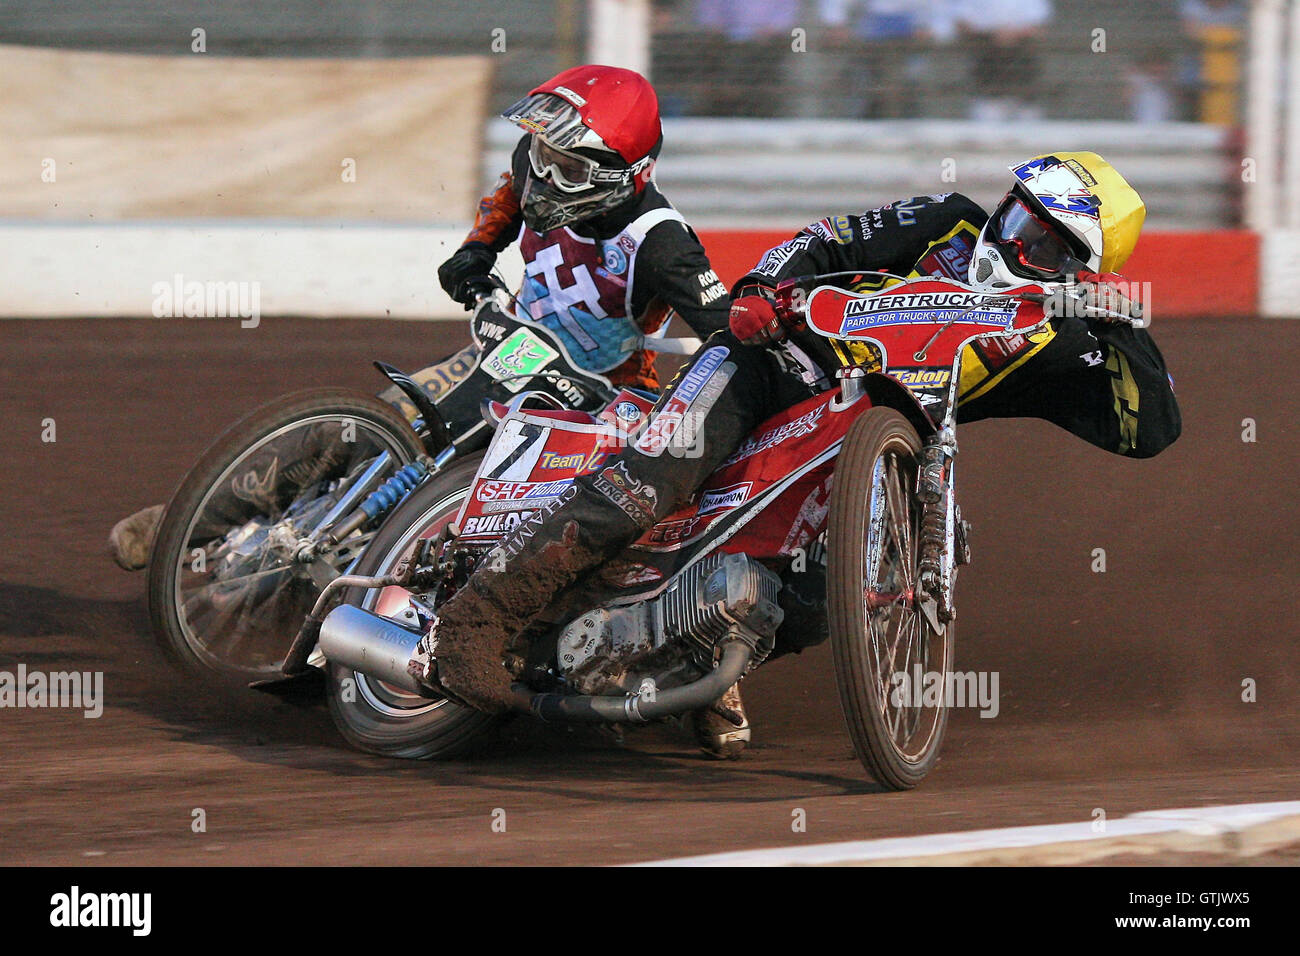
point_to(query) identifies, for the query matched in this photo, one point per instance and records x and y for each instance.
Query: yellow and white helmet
(1065, 212)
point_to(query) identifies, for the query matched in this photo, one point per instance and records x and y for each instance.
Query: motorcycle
(290, 497)
(855, 486)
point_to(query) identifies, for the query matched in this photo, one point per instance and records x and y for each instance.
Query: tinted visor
(1033, 242)
(568, 172)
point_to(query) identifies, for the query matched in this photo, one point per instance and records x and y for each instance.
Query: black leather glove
(467, 270)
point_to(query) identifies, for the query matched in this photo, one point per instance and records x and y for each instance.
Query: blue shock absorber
(403, 481)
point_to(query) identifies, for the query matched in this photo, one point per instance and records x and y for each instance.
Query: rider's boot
(597, 517)
(131, 539)
(722, 729)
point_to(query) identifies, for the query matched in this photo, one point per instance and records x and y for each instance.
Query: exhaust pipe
(381, 648)
(641, 708)
(373, 645)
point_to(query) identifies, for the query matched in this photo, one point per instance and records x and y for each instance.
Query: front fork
(944, 535)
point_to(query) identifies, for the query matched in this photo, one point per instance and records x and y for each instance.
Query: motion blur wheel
(881, 640)
(225, 593)
(371, 714)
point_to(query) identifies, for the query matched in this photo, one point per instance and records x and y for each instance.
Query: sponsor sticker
(496, 496)
(922, 377)
(927, 307)
(668, 419)
(571, 96)
(724, 498)
(772, 262)
(494, 523)
(615, 259)
(805, 424)
(635, 498)
(521, 354)
(951, 259)
(674, 531)
(554, 459)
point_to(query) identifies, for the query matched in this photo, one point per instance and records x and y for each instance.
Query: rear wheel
(225, 595)
(379, 717)
(884, 646)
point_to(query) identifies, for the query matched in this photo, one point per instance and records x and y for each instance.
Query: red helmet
(595, 133)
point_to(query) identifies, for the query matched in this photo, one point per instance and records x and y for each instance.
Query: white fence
(736, 173)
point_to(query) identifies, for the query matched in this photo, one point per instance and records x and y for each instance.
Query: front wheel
(887, 654)
(225, 593)
(376, 716)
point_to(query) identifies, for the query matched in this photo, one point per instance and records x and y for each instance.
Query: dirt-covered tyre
(378, 717)
(877, 630)
(225, 595)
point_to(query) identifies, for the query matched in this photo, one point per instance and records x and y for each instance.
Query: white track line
(1213, 828)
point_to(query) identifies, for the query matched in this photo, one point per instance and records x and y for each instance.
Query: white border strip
(347, 270)
(1243, 828)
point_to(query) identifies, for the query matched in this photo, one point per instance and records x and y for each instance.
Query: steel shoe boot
(722, 729)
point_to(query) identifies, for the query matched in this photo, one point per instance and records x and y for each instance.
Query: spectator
(1212, 76)
(1007, 72)
(1150, 97)
(883, 47)
(752, 50)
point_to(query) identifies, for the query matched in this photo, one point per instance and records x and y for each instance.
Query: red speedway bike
(859, 480)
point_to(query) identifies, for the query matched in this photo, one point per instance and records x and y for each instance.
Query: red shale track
(1120, 690)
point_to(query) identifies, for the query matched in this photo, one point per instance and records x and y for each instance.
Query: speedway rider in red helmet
(1068, 222)
(606, 256)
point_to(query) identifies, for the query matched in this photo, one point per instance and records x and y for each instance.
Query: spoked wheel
(225, 593)
(379, 717)
(885, 648)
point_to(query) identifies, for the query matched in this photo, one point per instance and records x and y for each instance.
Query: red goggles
(1037, 243)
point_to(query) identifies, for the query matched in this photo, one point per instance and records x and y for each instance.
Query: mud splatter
(476, 626)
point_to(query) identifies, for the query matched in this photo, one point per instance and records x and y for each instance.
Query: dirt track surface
(1119, 690)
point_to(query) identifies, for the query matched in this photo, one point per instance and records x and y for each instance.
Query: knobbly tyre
(289, 497)
(859, 478)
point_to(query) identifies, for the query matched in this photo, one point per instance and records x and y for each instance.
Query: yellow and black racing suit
(1106, 383)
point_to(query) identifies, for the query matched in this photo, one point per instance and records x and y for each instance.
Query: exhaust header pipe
(381, 648)
(373, 645)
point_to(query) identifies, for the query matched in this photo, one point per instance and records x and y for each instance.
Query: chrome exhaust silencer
(374, 645)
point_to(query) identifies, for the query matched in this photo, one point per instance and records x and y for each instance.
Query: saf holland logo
(702, 382)
(919, 307)
(498, 496)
